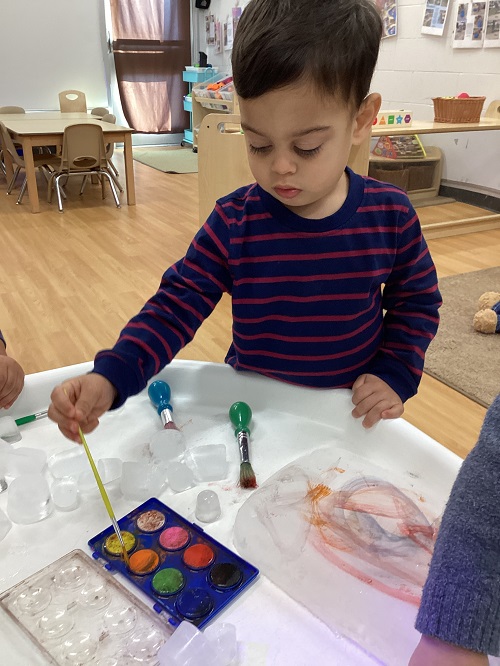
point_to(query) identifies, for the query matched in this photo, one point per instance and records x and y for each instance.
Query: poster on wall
(389, 12)
(228, 34)
(218, 37)
(469, 25)
(492, 35)
(435, 13)
(210, 29)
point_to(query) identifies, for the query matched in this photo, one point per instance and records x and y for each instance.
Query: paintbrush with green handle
(32, 417)
(241, 415)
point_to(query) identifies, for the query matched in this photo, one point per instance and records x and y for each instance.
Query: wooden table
(47, 129)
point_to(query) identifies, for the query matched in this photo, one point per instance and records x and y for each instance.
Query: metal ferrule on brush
(243, 442)
(166, 417)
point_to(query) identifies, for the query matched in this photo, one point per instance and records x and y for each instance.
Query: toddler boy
(331, 281)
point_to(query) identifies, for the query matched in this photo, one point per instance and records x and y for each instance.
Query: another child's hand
(80, 402)
(375, 400)
(434, 652)
(11, 381)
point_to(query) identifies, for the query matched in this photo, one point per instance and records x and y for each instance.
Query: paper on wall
(469, 25)
(435, 13)
(492, 35)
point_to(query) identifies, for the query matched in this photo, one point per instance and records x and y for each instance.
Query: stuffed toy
(487, 318)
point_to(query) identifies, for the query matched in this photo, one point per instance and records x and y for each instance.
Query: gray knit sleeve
(461, 598)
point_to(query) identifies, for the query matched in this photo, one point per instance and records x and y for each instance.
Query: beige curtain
(151, 48)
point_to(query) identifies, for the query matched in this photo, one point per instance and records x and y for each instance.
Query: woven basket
(458, 110)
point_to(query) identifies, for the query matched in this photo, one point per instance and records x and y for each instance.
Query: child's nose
(283, 164)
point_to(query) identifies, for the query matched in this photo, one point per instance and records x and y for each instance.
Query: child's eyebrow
(310, 130)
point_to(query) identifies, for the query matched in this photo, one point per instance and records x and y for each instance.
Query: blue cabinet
(192, 76)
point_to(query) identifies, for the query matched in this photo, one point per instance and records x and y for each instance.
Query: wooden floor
(69, 282)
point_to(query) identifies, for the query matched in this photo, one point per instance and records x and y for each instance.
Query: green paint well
(167, 581)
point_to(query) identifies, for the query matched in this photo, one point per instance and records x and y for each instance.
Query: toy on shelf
(405, 146)
(398, 118)
(487, 318)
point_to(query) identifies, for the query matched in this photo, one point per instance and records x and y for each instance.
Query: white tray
(288, 422)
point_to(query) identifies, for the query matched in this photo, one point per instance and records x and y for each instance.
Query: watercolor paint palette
(182, 569)
(76, 613)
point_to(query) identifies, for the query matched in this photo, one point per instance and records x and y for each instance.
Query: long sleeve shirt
(314, 302)
(461, 598)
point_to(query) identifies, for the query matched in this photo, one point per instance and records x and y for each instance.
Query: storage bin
(212, 95)
(458, 109)
(396, 175)
(421, 176)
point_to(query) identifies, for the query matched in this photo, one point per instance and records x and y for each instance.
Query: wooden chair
(493, 110)
(8, 109)
(99, 111)
(110, 149)
(83, 154)
(12, 109)
(72, 101)
(44, 161)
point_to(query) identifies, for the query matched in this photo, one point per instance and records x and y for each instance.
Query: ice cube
(207, 506)
(29, 499)
(179, 476)
(208, 462)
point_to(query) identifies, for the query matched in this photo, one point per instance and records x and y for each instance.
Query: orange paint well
(143, 561)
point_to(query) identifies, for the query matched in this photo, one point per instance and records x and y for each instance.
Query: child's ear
(365, 115)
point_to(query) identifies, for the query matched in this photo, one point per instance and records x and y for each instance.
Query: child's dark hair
(334, 43)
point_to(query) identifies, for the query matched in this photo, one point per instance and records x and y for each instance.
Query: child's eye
(259, 150)
(307, 153)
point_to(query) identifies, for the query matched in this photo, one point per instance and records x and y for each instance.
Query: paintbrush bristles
(247, 476)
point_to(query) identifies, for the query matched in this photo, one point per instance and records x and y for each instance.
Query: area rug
(467, 361)
(168, 159)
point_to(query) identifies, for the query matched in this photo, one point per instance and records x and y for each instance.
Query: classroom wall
(51, 46)
(413, 68)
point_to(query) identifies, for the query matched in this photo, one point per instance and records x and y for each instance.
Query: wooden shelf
(419, 177)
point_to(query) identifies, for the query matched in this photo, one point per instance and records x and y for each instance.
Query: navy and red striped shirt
(314, 302)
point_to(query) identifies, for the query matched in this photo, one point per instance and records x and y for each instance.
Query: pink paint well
(174, 538)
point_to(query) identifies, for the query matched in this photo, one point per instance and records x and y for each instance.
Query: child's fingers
(393, 412)
(359, 382)
(63, 399)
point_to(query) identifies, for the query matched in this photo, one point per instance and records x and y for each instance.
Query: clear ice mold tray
(75, 612)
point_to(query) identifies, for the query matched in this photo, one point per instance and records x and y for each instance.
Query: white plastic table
(288, 422)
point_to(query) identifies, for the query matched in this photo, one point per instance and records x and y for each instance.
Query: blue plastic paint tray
(184, 571)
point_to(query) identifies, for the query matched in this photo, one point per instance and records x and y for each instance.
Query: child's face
(298, 145)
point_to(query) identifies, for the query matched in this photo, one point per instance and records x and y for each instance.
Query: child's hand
(434, 652)
(375, 400)
(80, 402)
(11, 381)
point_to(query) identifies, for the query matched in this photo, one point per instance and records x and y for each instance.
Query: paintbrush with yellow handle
(104, 496)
